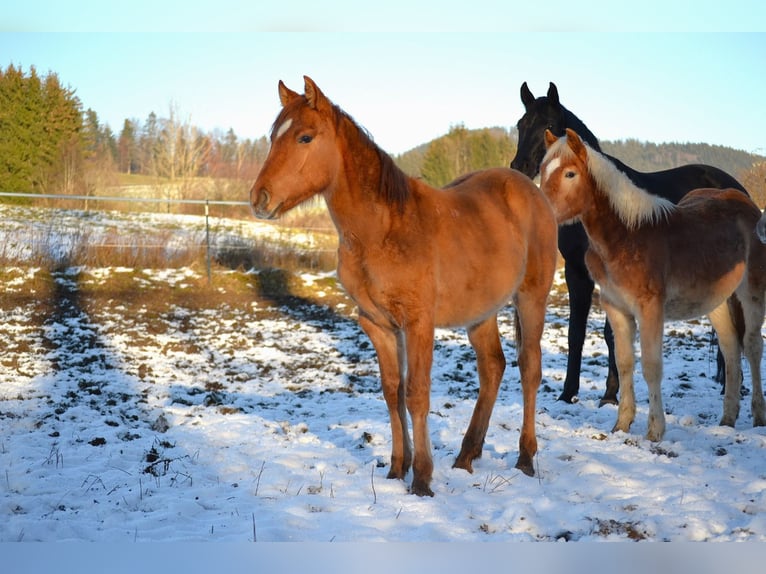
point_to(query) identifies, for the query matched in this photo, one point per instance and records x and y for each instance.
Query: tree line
(49, 144)
(461, 150)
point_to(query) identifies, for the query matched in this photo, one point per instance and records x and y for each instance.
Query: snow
(266, 423)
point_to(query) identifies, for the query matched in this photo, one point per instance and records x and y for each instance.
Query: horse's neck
(582, 130)
(634, 175)
(354, 202)
(603, 225)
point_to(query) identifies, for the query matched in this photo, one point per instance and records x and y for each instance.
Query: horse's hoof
(654, 436)
(526, 466)
(465, 464)
(619, 427)
(608, 401)
(421, 489)
(393, 474)
(567, 398)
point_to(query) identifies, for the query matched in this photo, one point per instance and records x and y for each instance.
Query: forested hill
(463, 150)
(646, 156)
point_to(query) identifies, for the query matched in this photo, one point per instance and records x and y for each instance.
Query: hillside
(644, 156)
(647, 156)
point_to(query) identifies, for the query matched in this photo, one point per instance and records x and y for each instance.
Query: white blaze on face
(551, 167)
(283, 128)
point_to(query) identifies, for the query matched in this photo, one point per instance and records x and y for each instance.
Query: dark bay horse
(548, 113)
(413, 257)
(655, 261)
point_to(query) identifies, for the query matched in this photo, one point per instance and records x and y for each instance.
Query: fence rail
(118, 198)
(205, 202)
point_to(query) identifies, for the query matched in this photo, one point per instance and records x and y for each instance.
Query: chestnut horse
(547, 112)
(413, 258)
(656, 261)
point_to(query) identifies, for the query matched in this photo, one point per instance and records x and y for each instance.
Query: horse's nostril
(260, 200)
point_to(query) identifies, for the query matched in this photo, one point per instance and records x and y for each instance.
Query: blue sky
(413, 70)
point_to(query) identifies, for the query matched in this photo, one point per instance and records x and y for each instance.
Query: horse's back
(505, 193)
(676, 182)
(716, 199)
(498, 182)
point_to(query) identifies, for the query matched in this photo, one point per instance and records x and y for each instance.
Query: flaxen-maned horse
(413, 257)
(656, 261)
(547, 112)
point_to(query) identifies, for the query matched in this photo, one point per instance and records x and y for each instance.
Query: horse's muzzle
(259, 204)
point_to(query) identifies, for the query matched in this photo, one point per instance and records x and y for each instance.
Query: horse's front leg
(753, 309)
(580, 288)
(389, 349)
(651, 324)
(624, 327)
(419, 343)
(485, 339)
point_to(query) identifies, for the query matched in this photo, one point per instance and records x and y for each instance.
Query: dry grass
(37, 238)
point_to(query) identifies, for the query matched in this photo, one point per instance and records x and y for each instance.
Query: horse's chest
(377, 285)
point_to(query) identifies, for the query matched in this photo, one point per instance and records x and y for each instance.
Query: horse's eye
(569, 174)
(305, 139)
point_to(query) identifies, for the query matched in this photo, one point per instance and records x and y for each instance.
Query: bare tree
(754, 181)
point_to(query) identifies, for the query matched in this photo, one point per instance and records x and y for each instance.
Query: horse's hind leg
(728, 341)
(753, 309)
(530, 319)
(485, 339)
(392, 381)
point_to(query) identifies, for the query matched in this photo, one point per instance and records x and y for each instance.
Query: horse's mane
(633, 205)
(394, 185)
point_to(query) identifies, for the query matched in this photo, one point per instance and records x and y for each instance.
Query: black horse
(548, 113)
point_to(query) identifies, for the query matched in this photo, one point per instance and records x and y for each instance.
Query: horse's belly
(472, 305)
(686, 301)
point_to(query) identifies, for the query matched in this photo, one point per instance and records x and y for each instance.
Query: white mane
(633, 205)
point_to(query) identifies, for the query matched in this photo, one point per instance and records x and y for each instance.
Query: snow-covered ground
(258, 422)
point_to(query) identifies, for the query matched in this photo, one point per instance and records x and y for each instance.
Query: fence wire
(210, 245)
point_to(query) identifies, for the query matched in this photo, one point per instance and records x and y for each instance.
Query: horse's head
(304, 157)
(563, 174)
(544, 113)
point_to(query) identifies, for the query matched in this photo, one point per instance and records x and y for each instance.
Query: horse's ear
(550, 139)
(286, 95)
(553, 93)
(314, 96)
(527, 98)
(576, 145)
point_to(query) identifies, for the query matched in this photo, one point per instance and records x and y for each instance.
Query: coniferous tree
(39, 125)
(127, 148)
